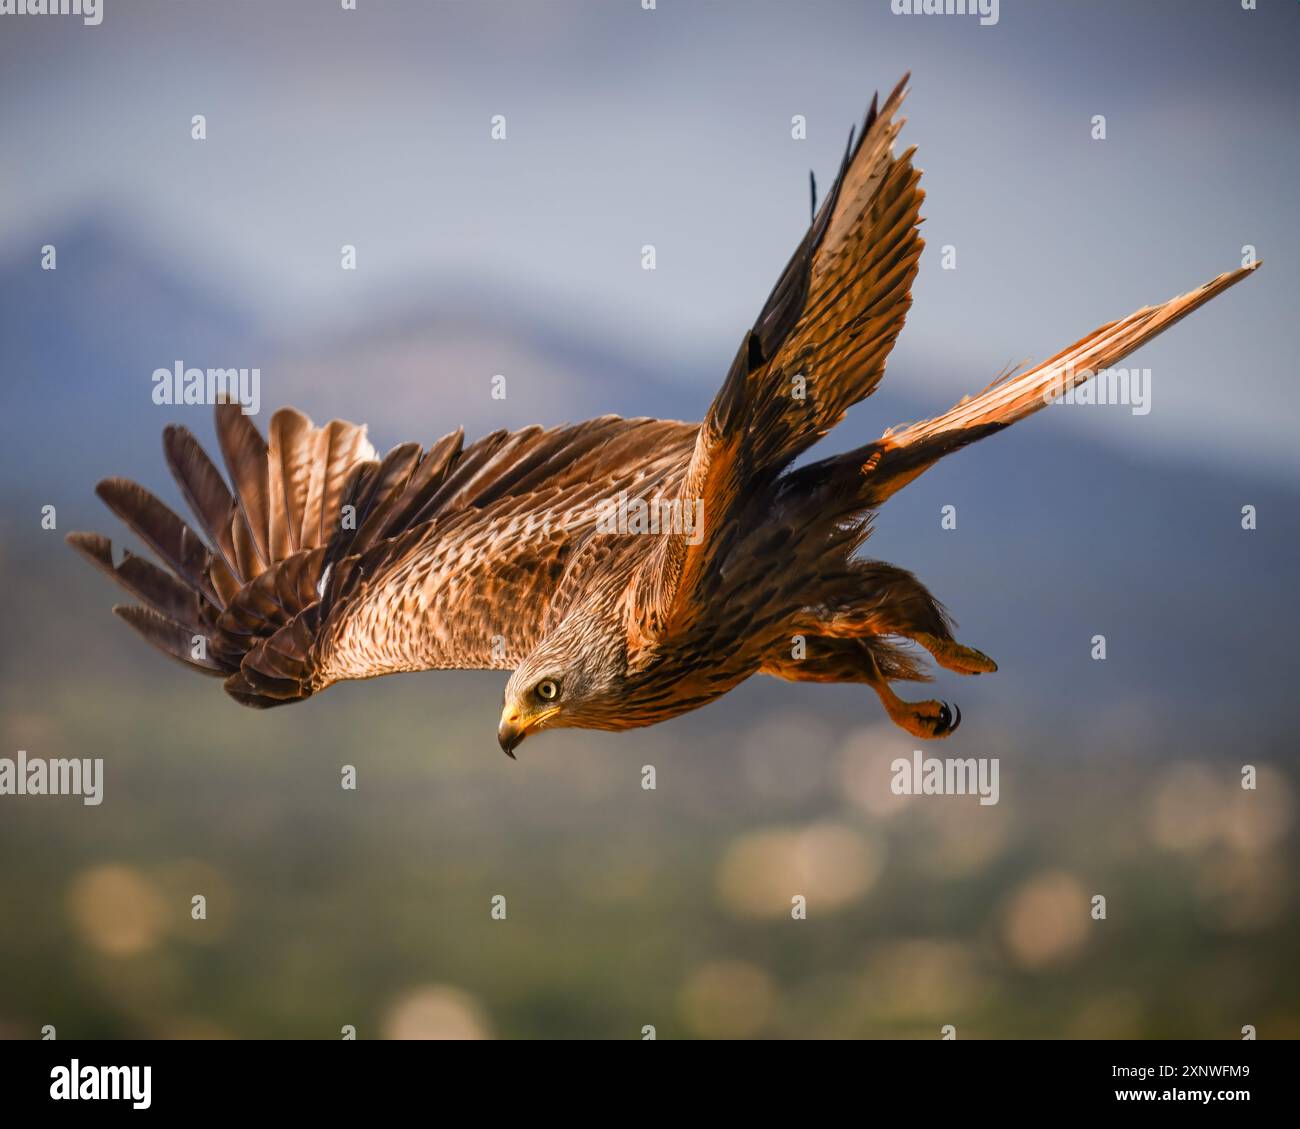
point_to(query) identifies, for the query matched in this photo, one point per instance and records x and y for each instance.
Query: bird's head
(574, 677)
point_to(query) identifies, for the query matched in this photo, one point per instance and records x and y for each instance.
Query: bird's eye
(548, 690)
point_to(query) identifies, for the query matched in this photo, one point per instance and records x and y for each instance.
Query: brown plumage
(327, 563)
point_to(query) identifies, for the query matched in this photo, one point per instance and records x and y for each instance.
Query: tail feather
(900, 455)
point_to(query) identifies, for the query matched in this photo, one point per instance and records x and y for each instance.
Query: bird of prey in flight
(322, 561)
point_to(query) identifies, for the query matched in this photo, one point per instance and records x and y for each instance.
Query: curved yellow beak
(509, 736)
(515, 726)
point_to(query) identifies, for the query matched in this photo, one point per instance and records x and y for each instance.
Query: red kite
(322, 562)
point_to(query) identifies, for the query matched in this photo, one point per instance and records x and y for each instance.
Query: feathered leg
(876, 662)
(875, 598)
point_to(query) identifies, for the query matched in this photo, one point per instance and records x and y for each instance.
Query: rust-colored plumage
(325, 562)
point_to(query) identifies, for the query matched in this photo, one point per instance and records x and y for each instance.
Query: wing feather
(450, 549)
(818, 346)
(290, 451)
(245, 454)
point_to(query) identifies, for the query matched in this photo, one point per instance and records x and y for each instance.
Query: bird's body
(326, 563)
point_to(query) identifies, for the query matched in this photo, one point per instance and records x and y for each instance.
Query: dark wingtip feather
(157, 589)
(239, 689)
(870, 119)
(172, 638)
(95, 546)
(179, 547)
(202, 486)
(245, 453)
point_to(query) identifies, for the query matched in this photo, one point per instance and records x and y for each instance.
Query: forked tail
(899, 456)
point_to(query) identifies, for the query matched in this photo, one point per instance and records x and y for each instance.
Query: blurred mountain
(78, 346)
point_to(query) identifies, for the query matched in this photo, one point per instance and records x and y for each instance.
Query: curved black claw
(931, 720)
(949, 719)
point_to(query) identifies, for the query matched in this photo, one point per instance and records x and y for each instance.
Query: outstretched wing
(818, 347)
(325, 562)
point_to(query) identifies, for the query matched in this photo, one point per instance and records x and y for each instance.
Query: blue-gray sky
(673, 127)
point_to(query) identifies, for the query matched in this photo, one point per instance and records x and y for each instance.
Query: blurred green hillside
(624, 907)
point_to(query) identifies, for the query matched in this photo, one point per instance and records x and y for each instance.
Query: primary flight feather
(321, 562)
